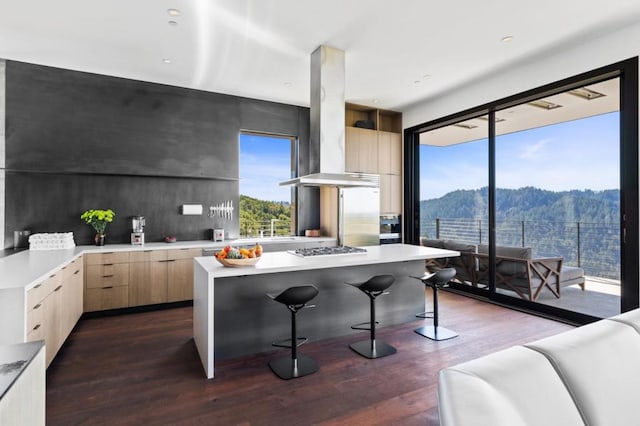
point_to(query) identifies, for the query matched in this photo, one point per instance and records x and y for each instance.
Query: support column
(3, 74)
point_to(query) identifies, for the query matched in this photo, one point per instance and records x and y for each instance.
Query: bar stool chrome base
(436, 333)
(287, 368)
(373, 349)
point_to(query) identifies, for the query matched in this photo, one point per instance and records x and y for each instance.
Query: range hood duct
(326, 139)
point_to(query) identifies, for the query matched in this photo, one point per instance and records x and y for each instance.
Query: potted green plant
(99, 220)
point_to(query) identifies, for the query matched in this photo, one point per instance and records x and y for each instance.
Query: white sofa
(586, 376)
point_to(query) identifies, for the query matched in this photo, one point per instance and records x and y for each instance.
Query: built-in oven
(390, 230)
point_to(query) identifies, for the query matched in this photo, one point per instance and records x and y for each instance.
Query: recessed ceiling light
(587, 94)
(544, 104)
(467, 126)
(166, 60)
(375, 101)
(496, 120)
(287, 83)
(507, 39)
(426, 76)
(173, 23)
(417, 82)
(173, 12)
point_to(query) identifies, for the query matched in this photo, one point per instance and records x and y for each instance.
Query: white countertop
(26, 268)
(286, 262)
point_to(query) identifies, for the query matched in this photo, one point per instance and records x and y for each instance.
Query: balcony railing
(594, 246)
(267, 228)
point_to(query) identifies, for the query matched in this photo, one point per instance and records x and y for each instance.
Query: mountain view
(581, 226)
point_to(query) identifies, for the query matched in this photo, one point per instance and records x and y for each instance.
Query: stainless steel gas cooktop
(327, 251)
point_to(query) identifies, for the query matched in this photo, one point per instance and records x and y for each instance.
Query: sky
(264, 162)
(579, 154)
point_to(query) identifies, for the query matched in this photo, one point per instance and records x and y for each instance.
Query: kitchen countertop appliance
(137, 230)
(390, 231)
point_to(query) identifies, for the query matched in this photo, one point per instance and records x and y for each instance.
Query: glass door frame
(627, 71)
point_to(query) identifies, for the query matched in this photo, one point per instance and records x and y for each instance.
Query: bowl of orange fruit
(237, 257)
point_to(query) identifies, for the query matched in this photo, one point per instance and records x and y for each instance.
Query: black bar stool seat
(373, 288)
(294, 298)
(436, 281)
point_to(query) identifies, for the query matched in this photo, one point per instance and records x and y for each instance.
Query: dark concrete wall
(76, 141)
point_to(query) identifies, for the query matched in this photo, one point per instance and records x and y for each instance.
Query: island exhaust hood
(326, 139)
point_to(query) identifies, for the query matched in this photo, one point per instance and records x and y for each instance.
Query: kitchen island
(233, 317)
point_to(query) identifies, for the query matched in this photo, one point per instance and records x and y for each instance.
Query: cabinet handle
(107, 276)
(51, 276)
(107, 288)
(170, 260)
(76, 272)
(109, 252)
(37, 306)
(37, 286)
(108, 264)
(35, 327)
(147, 251)
(58, 288)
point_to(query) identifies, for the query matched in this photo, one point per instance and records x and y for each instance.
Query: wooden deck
(143, 369)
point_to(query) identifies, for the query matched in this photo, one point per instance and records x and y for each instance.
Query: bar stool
(294, 298)
(436, 281)
(373, 288)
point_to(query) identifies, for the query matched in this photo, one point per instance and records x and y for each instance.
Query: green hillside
(256, 216)
(581, 226)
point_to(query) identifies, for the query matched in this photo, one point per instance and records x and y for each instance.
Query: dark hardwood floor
(143, 368)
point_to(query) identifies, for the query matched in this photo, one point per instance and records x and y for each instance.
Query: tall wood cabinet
(376, 150)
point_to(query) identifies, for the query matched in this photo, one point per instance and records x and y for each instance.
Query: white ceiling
(398, 52)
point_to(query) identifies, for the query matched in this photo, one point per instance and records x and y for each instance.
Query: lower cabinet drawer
(115, 275)
(35, 333)
(34, 317)
(98, 299)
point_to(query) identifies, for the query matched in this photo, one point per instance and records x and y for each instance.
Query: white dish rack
(51, 241)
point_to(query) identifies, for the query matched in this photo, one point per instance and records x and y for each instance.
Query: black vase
(99, 239)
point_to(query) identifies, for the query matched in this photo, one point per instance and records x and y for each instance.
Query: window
(266, 208)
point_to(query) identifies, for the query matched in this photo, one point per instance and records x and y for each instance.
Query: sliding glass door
(557, 209)
(539, 192)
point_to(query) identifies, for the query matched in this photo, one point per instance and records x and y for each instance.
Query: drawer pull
(107, 288)
(35, 327)
(37, 285)
(58, 288)
(51, 276)
(147, 251)
(170, 260)
(109, 252)
(76, 272)
(107, 276)
(37, 306)
(108, 264)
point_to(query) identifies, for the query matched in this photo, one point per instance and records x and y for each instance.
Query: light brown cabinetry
(377, 150)
(390, 196)
(361, 150)
(180, 274)
(147, 277)
(106, 281)
(389, 153)
(54, 307)
(72, 295)
(142, 277)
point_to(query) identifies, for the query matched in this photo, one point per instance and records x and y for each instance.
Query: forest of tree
(256, 216)
(581, 226)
